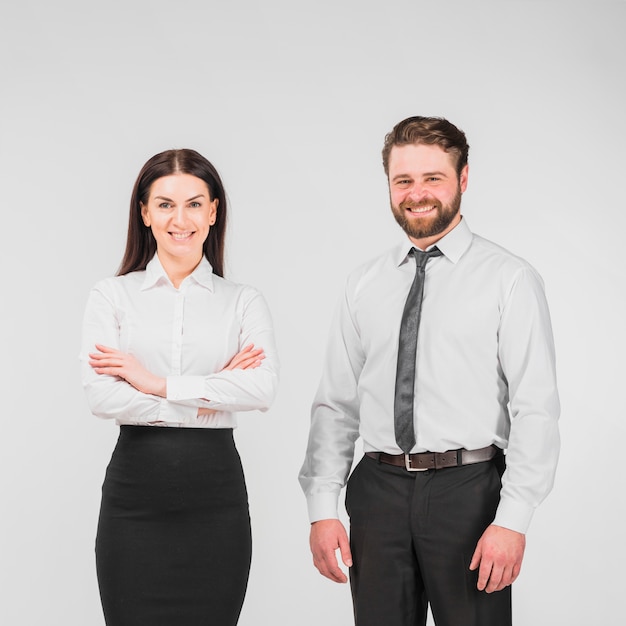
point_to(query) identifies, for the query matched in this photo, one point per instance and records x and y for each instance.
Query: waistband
(422, 461)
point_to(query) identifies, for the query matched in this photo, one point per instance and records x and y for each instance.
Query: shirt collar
(155, 274)
(453, 245)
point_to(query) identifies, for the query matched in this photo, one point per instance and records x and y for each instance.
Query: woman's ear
(145, 216)
(213, 211)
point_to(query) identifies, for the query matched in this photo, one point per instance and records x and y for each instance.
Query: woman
(170, 343)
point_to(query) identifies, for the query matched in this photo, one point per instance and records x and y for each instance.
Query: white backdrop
(291, 101)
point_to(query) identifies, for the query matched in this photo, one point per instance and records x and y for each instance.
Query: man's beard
(422, 227)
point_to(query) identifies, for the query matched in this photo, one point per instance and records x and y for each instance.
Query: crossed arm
(117, 363)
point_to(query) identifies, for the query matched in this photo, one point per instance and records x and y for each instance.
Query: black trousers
(412, 536)
(173, 544)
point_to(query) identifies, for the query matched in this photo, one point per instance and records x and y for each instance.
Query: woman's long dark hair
(140, 243)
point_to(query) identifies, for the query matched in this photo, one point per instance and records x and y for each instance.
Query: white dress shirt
(186, 335)
(485, 371)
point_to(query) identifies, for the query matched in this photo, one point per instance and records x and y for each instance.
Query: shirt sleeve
(236, 390)
(111, 397)
(334, 419)
(527, 357)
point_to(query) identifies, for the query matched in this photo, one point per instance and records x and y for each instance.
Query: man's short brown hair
(428, 130)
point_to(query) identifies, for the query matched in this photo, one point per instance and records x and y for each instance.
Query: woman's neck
(177, 268)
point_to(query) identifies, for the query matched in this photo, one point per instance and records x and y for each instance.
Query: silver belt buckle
(409, 468)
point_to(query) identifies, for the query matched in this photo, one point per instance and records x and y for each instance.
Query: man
(446, 352)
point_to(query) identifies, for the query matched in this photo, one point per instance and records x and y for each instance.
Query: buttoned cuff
(172, 413)
(323, 506)
(513, 515)
(185, 387)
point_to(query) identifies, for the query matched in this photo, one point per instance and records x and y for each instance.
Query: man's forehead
(420, 156)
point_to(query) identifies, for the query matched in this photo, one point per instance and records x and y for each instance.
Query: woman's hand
(116, 363)
(247, 358)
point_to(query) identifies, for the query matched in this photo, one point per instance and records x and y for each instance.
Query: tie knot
(421, 258)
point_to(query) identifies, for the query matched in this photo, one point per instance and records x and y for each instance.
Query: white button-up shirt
(485, 371)
(186, 335)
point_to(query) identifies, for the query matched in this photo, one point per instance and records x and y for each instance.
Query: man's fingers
(484, 574)
(515, 573)
(328, 567)
(494, 581)
(325, 560)
(509, 574)
(499, 553)
(328, 536)
(475, 562)
(346, 554)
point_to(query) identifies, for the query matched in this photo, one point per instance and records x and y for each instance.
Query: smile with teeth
(421, 209)
(181, 236)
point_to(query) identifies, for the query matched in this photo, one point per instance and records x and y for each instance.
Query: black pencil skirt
(173, 545)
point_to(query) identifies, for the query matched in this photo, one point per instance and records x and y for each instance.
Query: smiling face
(425, 191)
(180, 212)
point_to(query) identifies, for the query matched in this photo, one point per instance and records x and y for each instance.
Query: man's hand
(117, 363)
(327, 536)
(499, 553)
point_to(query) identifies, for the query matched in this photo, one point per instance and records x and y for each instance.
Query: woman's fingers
(247, 357)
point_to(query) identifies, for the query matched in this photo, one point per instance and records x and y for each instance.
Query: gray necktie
(407, 354)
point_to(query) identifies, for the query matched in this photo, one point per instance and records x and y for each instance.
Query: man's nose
(417, 193)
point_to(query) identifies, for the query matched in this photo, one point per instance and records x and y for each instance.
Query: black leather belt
(423, 461)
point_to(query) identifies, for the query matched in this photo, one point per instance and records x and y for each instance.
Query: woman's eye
(194, 205)
(164, 205)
